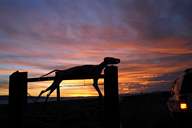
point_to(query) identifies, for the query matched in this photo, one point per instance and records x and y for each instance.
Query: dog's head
(111, 60)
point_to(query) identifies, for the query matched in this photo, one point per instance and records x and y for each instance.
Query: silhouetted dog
(93, 71)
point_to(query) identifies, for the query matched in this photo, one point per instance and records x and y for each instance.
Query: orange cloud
(60, 40)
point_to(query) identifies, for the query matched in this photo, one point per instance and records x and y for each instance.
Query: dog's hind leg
(95, 85)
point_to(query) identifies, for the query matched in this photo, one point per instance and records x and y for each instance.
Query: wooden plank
(111, 98)
(66, 78)
(58, 93)
(17, 97)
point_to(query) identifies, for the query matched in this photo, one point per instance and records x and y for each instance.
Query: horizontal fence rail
(66, 78)
(18, 83)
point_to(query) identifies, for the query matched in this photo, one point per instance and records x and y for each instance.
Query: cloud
(158, 19)
(152, 38)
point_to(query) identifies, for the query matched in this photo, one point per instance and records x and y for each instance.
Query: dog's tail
(49, 73)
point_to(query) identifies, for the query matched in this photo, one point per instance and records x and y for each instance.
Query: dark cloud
(171, 76)
(168, 60)
(114, 20)
(158, 19)
(152, 38)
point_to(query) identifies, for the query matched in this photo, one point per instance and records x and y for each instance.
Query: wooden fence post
(58, 93)
(111, 98)
(17, 97)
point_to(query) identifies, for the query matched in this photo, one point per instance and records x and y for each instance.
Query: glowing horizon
(152, 39)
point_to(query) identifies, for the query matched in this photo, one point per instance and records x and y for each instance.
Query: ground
(144, 110)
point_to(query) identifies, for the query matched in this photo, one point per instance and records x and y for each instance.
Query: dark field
(144, 110)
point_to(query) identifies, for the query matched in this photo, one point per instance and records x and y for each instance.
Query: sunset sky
(153, 39)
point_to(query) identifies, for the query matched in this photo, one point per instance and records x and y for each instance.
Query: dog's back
(84, 70)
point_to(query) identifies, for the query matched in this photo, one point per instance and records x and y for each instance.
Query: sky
(152, 38)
